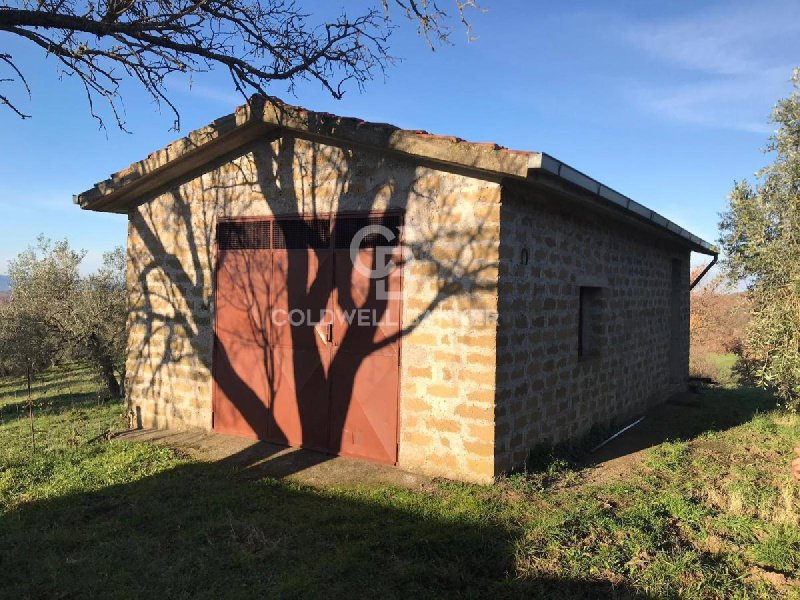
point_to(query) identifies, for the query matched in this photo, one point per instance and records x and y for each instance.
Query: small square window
(590, 321)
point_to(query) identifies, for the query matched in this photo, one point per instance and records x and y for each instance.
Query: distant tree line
(55, 314)
(719, 315)
(718, 323)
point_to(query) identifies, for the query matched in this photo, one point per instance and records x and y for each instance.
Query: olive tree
(26, 348)
(101, 336)
(761, 238)
(84, 317)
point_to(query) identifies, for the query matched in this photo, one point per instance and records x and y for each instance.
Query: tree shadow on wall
(174, 264)
(221, 530)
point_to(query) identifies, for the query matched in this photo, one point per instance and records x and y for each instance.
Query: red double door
(306, 343)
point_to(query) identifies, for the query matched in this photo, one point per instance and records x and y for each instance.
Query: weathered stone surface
(546, 392)
(489, 359)
(263, 115)
(171, 249)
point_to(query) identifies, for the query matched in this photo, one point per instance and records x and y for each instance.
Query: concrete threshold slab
(262, 459)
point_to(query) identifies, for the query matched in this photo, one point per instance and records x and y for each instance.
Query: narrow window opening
(590, 321)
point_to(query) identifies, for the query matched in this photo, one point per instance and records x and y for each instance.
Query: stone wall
(546, 392)
(474, 397)
(450, 293)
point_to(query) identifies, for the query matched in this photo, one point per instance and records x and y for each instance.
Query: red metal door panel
(300, 296)
(307, 346)
(367, 310)
(241, 363)
(302, 282)
(364, 370)
(300, 400)
(364, 406)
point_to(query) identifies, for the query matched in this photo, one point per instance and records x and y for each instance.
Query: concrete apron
(262, 459)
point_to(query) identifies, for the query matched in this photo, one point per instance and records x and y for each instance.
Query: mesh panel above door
(347, 228)
(301, 234)
(243, 235)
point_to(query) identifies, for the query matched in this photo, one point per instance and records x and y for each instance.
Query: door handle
(326, 337)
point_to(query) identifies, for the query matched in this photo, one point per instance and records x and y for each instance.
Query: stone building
(474, 301)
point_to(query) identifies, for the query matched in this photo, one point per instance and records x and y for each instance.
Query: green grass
(712, 516)
(717, 365)
(723, 363)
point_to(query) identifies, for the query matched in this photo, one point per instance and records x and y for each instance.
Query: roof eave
(199, 148)
(542, 162)
(264, 117)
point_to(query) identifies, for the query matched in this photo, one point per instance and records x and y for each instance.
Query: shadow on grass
(681, 418)
(56, 383)
(686, 416)
(48, 406)
(219, 530)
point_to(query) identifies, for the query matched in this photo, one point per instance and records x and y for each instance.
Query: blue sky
(666, 102)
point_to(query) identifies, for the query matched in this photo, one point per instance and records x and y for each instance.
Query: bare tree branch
(257, 41)
(19, 77)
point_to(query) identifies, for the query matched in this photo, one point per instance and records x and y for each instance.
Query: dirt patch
(781, 582)
(682, 417)
(614, 469)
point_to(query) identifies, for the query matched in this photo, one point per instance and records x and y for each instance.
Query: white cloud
(728, 103)
(736, 62)
(727, 40)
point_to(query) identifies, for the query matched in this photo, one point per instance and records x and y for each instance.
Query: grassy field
(724, 363)
(711, 514)
(716, 365)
